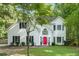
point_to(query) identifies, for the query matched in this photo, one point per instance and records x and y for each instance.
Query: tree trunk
(28, 37)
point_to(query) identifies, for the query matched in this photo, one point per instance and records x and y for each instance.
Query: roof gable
(59, 20)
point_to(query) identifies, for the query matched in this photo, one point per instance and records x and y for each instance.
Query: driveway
(3, 45)
(12, 51)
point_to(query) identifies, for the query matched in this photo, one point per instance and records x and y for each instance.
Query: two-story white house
(55, 32)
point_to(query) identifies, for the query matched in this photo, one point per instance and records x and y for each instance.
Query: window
(16, 39)
(45, 32)
(22, 25)
(58, 39)
(28, 38)
(62, 27)
(31, 39)
(54, 27)
(58, 27)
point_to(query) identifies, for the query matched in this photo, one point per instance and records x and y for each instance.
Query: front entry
(44, 40)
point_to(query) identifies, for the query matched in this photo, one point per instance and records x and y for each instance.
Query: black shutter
(54, 27)
(13, 39)
(20, 25)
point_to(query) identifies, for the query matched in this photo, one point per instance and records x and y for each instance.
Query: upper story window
(45, 32)
(22, 25)
(58, 27)
(54, 27)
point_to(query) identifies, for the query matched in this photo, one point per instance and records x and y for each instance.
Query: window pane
(58, 27)
(18, 38)
(15, 38)
(45, 32)
(58, 39)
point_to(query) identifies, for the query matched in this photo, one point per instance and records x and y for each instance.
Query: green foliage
(71, 14)
(23, 43)
(29, 13)
(65, 9)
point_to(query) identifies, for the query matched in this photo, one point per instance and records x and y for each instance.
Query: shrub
(23, 43)
(53, 43)
(17, 43)
(11, 44)
(74, 44)
(66, 43)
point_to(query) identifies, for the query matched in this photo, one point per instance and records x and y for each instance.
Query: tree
(33, 14)
(70, 12)
(5, 15)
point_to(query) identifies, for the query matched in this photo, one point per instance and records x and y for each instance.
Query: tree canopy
(70, 12)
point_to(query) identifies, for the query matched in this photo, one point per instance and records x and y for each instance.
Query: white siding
(15, 31)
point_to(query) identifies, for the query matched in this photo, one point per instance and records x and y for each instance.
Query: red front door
(45, 40)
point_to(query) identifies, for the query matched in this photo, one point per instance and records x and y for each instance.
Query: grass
(55, 51)
(41, 51)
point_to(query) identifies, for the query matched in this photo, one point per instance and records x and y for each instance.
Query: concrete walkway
(3, 45)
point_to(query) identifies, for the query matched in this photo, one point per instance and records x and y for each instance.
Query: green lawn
(55, 51)
(41, 51)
